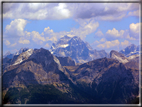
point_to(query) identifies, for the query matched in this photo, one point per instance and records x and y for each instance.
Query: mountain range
(51, 77)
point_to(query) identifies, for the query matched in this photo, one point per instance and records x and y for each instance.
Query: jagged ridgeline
(38, 76)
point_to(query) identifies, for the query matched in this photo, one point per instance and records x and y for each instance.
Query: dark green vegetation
(37, 94)
(46, 94)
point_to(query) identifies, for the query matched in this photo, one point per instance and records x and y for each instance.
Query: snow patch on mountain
(132, 57)
(133, 53)
(18, 62)
(23, 56)
(21, 51)
(58, 62)
(63, 46)
(120, 59)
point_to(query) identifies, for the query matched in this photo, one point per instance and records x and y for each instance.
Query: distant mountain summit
(77, 49)
(11, 55)
(21, 51)
(130, 50)
(8, 55)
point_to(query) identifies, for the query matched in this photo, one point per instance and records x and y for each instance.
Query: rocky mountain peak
(130, 50)
(8, 55)
(113, 52)
(21, 50)
(132, 45)
(75, 48)
(23, 56)
(118, 56)
(41, 54)
(42, 50)
(76, 40)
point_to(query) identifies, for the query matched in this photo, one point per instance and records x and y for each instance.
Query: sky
(107, 26)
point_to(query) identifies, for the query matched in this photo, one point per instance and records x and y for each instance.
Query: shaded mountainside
(134, 63)
(37, 76)
(107, 80)
(66, 61)
(77, 49)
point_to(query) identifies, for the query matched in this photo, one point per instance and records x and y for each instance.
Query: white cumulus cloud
(36, 37)
(114, 33)
(7, 42)
(24, 41)
(125, 43)
(47, 45)
(87, 27)
(109, 44)
(134, 30)
(129, 38)
(16, 28)
(14, 44)
(103, 40)
(99, 33)
(134, 13)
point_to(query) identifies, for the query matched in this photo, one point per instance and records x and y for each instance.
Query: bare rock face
(118, 56)
(130, 62)
(17, 58)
